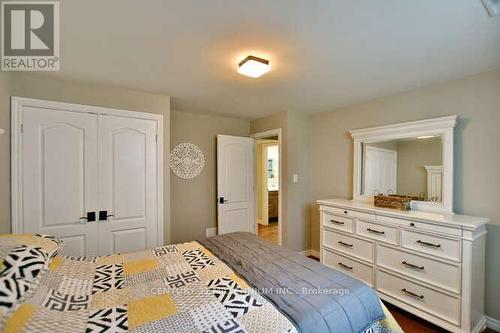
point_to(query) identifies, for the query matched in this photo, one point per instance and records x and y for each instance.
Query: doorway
(268, 185)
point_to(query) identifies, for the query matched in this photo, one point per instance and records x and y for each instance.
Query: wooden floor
(412, 324)
(269, 232)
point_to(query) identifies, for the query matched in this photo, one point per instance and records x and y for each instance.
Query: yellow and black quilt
(174, 288)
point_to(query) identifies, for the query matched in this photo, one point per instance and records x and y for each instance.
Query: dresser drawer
(353, 246)
(344, 264)
(427, 270)
(422, 226)
(438, 304)
(379, 232)
(435, 245)
(338, 222)
(353, 214)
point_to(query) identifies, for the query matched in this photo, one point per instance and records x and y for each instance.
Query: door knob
(89, 218)
(103, 215)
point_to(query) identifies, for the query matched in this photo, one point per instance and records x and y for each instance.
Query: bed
(228, 283)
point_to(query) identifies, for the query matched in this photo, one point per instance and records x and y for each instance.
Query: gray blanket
(316, 298)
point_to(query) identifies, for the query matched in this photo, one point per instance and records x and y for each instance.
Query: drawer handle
(345, 244)
(345, 211)
(337, 222)
(345, 266)
(375, 231)
(428, 244)
(412, 293)
(412, 265)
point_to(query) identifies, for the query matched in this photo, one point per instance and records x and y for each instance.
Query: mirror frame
(443, 127)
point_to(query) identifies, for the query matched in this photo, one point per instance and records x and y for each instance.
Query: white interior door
(380, 171)
(235, 184)
(59, 177)
(127, 184)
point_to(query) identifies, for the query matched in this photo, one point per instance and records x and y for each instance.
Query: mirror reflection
(408, 166)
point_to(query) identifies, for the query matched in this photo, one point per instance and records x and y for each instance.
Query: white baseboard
(315, 253)
(211, 232)
(261, 222)
(493, 323)
(305, 252)
(310, 252)
(480, 326)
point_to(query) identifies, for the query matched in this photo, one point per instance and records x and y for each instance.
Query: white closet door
(127, 184)
(380, 171)
(59, 177)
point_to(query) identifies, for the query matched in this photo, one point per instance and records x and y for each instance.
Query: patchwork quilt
(175, 288)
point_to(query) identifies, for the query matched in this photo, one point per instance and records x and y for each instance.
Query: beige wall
(476, 100)
(194, 207)
(295, 157)
(44, 87)
(412, 156)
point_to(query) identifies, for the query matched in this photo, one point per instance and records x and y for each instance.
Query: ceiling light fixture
(253, 66)
(492, 6)
(426, 136)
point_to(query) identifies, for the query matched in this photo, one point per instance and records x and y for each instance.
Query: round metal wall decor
(186, 160)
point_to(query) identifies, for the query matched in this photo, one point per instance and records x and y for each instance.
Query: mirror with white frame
(413, 159)
(407, 166)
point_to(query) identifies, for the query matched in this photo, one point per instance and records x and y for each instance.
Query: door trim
(17, 105)
(262, 135)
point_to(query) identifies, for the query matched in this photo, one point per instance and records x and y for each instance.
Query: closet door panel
(128, 172)
(127, 184)
(59, 172)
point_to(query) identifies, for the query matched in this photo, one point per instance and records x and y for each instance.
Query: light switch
(295, 178)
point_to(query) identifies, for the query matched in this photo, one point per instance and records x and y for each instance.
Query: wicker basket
(400, 202)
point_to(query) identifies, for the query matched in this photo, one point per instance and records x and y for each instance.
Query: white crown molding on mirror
(443, 127)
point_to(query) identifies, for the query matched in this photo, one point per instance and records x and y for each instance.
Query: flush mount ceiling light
(253, 66)
(492, 6)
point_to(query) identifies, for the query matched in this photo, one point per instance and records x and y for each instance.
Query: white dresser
(430, 264)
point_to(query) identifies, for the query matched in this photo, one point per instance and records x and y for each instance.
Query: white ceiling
(324, 53)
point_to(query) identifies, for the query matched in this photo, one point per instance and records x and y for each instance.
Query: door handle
(103, 215)
(89, 218)
(223, 201)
